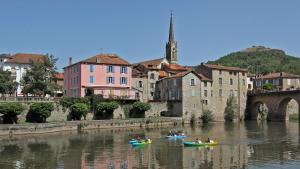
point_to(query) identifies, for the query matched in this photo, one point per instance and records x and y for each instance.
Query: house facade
(280, 81)
(18, 64)
(105, 74)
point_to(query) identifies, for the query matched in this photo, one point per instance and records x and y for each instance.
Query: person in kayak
(209, 140)
(197, 141)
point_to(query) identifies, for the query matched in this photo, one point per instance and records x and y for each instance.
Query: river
(243, 145)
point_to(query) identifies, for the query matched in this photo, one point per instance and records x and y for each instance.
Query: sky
(137, 30)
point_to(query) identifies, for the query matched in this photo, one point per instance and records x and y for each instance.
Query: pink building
(103, 74)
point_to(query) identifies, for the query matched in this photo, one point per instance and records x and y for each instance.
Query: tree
(269, 86)
(7, 84)
(207, 116)
(139, 108)
(105, 110)
(39, 112)
(10, 112)
(40, 78)
(78, 110)
(231, 109)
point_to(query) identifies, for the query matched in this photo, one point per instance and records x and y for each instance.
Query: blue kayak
(175, 137)
(141, 143)
(132, 141)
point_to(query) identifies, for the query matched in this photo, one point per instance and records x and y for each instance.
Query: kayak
(141, 143)
(193, 144)
(175, 137)
(132, 141)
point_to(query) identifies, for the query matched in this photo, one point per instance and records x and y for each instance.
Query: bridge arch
(259, 110)
(285, 107)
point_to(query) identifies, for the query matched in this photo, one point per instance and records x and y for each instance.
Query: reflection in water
(243, 145)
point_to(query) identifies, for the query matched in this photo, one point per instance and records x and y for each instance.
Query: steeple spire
(171, 31)
(171, 46)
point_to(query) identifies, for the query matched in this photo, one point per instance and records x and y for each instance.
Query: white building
(18, 64)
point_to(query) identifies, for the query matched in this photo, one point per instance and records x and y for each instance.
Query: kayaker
(209, 140)
(197, 141)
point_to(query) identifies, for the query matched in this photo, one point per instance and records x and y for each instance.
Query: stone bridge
(275, 102)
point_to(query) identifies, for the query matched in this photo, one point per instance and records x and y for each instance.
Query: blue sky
(138, 29)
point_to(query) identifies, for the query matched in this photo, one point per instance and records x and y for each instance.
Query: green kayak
(193, 144)
(141, 143)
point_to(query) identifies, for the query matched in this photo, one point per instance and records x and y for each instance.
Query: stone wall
(25, 129)
(60, 114)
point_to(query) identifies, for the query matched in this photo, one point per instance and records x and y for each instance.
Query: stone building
(280, 80)
(183, 94)
(225, 82)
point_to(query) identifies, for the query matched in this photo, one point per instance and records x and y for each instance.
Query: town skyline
(144, 33)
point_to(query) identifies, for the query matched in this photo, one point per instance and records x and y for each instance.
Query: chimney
(70, 60)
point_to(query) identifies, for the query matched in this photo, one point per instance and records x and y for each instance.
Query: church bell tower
(171, 46)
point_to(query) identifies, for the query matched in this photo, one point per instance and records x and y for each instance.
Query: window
(231, 93)
(211, 93)
(91, 79)
(123, 80)
(220, 81)
(243, 74)
(110, 80)
(91, 68)
(220, 92)
(152, 85)
(231, 81)
(205, 102)
(110, 69)
(174, 82)
(230, 73)
(205, 84)
(289, 81)
(192, 82)
(152, 76)
(140, 84)
(234, 73)
(193, 93)
(152, 94)
(220, 72)
(205, 93)
(123, 69)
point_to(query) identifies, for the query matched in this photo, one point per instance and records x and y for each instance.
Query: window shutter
(113, 80)
(120, 69)
(107, 69)
(120, 80)
(107, 81)
(113, 69)
(126, 70)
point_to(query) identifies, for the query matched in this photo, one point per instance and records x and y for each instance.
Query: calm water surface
(245, 145)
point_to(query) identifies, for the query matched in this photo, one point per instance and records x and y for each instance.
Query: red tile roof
(278, 75)
(174, 66)
(107, 59)
(152, 64)
(220, 67)
(25, 58)
(182, 74)
(59, 75)
(162, 73)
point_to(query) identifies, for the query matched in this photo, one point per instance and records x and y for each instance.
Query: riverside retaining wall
(27, 129)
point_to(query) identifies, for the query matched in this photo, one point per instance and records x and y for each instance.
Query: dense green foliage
(78, 110)
(138, 109)
(259, 59)
(7, 85)
(104, 110)
(294, 117)
(67, 102)
(40, 79)
(269, 86)
(10, 112)
(207, 116)
(39, 112)
(231, 109)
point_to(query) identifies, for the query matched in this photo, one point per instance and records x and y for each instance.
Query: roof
(182, 74)
(111, 59)
(220, 67)
(278, 75)
(107, 59)
(163, 73)
(25, 58)
(152, 63)
(59, 75)
(174, 66)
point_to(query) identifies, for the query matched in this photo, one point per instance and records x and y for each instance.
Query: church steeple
(171, 46)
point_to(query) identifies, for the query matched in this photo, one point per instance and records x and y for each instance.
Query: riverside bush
(207, 116)
(78, 110)
(10, 112)
(67, 102)
(39, 112)
(138, 109)
(231, 109)
(104, 110)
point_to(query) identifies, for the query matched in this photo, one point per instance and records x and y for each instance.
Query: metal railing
(29, 99)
